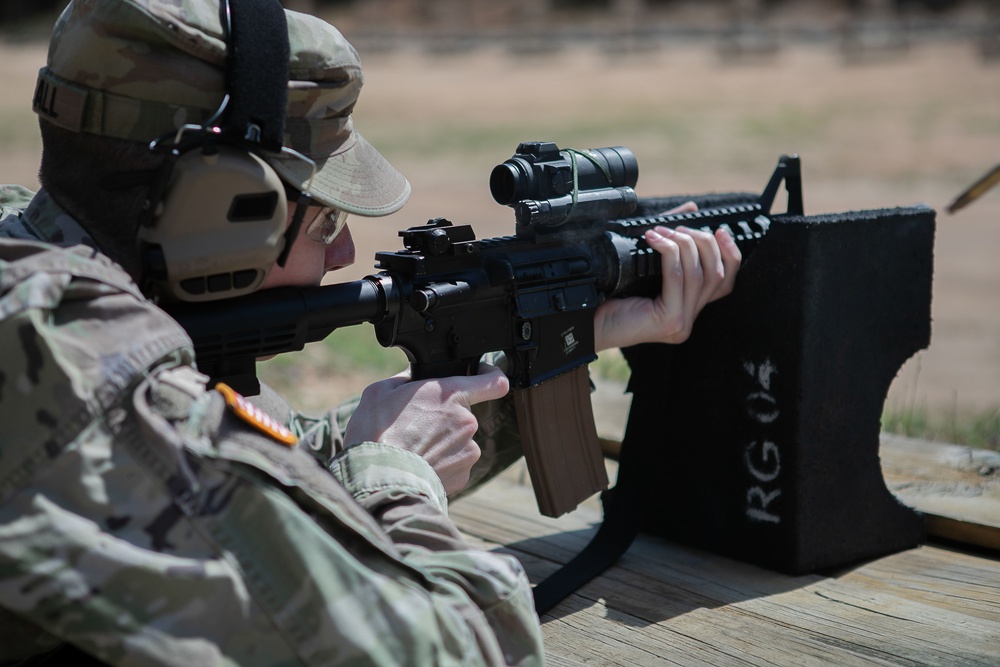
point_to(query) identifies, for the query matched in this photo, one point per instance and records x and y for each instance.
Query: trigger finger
(489, 385)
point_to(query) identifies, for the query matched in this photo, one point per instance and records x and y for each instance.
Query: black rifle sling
(627, 505)
(623, 518)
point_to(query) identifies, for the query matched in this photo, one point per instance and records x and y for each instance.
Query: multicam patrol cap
(139, 69)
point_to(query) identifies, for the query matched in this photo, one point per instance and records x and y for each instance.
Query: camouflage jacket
(148, 520)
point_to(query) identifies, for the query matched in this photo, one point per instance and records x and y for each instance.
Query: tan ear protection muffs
(216, 215)
(219, 228)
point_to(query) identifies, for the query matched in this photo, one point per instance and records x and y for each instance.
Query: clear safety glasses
(324, 226)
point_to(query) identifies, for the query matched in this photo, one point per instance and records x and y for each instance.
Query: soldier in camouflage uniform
(148, 519)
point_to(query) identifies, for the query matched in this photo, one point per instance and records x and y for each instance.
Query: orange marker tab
(256, 417)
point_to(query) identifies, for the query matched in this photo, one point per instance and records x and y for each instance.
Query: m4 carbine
(448, 298)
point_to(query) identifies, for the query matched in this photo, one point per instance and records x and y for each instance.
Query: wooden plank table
(668, 604)
(957, 488)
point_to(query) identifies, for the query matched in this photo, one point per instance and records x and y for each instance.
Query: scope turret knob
(436, 242)
(561, 180)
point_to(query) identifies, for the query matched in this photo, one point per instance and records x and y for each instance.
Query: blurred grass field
(895, 129)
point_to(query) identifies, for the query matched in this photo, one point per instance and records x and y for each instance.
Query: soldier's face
(310, 260)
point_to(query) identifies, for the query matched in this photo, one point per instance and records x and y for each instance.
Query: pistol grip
(442, 369)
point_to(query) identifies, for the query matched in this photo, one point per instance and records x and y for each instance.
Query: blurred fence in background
(741, 28)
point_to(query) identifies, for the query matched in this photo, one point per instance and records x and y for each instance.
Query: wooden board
(666, 604)
(957, 488)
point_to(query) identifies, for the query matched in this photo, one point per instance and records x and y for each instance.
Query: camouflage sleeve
(14, 199)
(407, 499)
(146, 521)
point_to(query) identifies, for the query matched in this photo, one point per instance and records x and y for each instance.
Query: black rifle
(447, 298)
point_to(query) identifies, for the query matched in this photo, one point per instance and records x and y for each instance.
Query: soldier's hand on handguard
(431, 418)
(698, 267)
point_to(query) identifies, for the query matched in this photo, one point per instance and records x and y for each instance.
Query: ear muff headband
(256, 72)
(217, 212)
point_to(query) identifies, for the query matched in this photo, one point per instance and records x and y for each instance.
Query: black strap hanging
(256, 71)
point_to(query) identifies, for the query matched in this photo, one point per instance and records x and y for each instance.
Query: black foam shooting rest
(758, 438)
